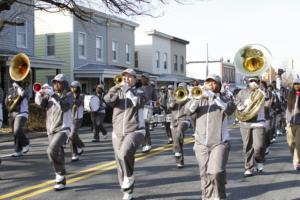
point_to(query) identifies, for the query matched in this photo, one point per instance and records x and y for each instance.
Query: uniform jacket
(150, 93)
(211, 123)
(178, 111)
(127, 110)
(293, 116)
(78, 107)
(21, 109)
(58, 107)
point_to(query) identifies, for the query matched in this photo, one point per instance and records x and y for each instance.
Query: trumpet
(196, 92)
(37, 87)
(119, 80)
(181, 94)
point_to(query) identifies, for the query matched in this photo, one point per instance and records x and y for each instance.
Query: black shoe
(80, 152)
(179, 165)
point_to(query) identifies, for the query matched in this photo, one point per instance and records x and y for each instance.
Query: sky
(227, 25)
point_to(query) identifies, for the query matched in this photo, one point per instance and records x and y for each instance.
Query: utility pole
(206, 59)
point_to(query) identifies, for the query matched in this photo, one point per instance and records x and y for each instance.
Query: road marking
(84, 174)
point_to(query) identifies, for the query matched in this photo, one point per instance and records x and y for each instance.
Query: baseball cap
(146, 75)
(75, 84)
(59, 78)
(129, 71)
(214, 77)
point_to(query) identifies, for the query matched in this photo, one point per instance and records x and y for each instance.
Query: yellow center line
(84, 174)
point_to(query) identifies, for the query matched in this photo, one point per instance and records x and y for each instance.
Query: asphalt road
(94, 176)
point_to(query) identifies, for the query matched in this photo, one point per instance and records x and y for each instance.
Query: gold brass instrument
(119, 80)
(19, 70)
(252, 60)
(180, 94)
(196, 92)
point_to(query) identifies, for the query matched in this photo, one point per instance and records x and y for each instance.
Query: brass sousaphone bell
(19, 71)
(252, 60)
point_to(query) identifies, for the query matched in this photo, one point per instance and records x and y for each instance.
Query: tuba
(19, 71)
(252, 60)
(180, 94)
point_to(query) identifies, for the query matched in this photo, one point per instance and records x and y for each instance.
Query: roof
(174, 78)
(170, 37)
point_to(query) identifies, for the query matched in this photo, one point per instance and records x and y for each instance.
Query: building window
(157, 57)
(165, 57)
(127, 53)
(136, 59)
(50, 45)
(182, 64)
(114, 50)
(99, 47)
(21, 33)
(82, 45)
(175, 63)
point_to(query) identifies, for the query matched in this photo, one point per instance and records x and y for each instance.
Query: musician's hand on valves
(125, 87)
(47, 90)
(209, 94)
(15, 85)
(247, 102)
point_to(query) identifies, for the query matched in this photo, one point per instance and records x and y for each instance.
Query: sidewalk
(6, 137)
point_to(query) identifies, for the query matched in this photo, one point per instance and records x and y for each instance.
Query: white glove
(48, 91)
(247, 102)
(125, 87)
(220, 103)
(20, 91)
(46, 86)
(208, 93)
(15, 85)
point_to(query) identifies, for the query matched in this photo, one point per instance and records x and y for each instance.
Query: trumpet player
(180, 121)
(18, 115)
(211, 137)
(58, 103)
(293, 123)
(128, 127)
(76, 144)
(252, 125)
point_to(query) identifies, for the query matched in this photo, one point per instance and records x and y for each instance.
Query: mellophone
(91, 102)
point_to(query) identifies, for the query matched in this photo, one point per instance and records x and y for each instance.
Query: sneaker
(79, 151)
(26, 148)
(146, 148)
(297, 167)
(177, 154)
(105, 137)
(17, 154)
(127, 182)
(60, 185)
(170, 141)
(75, 158)
(95, 140)
(278, 132)
(126, 196)
(248, 173)
(273, 140)
(259, 167)
(179, 165)
(267, 151)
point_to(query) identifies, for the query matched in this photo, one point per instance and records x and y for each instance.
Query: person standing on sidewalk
(128, 127)
(76, 144)
(98, 116)
(149, 90)
(252, 130)
(293, 123)
(18, 117)
(212, 143)
(58, 104)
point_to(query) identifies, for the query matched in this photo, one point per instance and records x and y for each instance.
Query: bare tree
(76, 7)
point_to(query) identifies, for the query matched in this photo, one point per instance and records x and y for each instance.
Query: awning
(35, 62)
(174, 78)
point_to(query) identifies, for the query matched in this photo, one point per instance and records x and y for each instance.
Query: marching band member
(58, 104)
(98, 116)
(128, 127)
(18, 117)
(76, 144)
(163, 102)
(212, 137)
(293, 122)
(149, 90)
(252, 130)
(179, 125)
